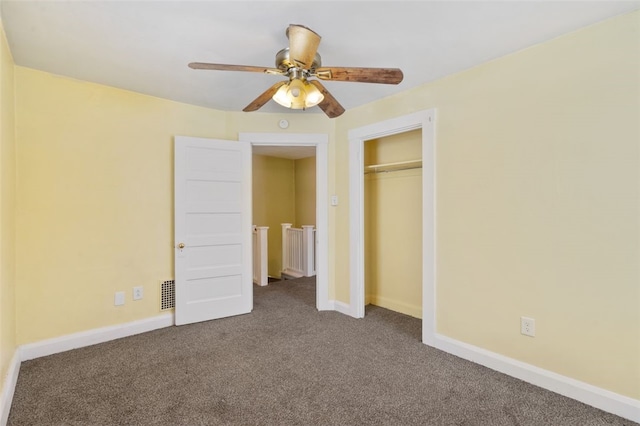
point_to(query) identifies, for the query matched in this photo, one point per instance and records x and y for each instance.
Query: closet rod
(393, 167)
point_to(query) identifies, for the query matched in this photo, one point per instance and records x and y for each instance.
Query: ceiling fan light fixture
(298, 94)
(314, 96)
(281, 96)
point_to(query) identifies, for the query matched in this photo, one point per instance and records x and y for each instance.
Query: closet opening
(393, 222)
(421, 123)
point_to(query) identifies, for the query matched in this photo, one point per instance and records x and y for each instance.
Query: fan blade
(329, 104)
(303, 45)
(362, 75)
(224, 67)
(263, 98)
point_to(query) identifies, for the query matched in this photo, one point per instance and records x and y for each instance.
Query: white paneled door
(213, 263)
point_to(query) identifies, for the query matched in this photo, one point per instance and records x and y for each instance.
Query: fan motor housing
(284, 62)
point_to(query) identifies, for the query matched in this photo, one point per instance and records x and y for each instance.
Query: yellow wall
(7, 209)
(95, 197)
(537, 195)
(393, 226)
(95, 201)
(305, 191)
(273, 202)
(260, 122)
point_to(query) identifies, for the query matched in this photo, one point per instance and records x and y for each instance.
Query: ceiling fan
(299, 62)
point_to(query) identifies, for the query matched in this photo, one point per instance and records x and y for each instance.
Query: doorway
(425, 122)
(320, 143)
(284, 192)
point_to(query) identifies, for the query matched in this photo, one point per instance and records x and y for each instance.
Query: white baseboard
(9, 387)
(611, 402)
(92, 337)
(68, 342)
(605, 400)
(343, 308)
(324, 304)
(396, 306)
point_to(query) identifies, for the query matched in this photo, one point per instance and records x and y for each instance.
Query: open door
(212, 229)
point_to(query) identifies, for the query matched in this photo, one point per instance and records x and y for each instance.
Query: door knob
(181, 245)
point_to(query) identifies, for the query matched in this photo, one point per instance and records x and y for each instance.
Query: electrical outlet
(528, 326)
(137, 293)
(119, 298)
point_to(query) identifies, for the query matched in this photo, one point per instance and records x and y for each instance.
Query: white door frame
(424, 120)
(321, 142)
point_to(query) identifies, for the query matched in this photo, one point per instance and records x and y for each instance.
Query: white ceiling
(145, 46)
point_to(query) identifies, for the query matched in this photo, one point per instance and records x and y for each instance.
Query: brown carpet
(283, 364)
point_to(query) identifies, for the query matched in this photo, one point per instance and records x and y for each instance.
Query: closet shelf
(393, 167)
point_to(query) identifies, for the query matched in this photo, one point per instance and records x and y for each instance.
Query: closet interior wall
(393, 223)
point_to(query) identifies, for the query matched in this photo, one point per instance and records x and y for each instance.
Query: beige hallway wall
(305, 191)
(273, 202)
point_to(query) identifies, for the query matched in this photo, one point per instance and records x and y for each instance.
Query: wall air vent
(168, 294)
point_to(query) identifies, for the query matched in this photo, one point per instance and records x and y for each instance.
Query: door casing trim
(321, 142)
(424, 120)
